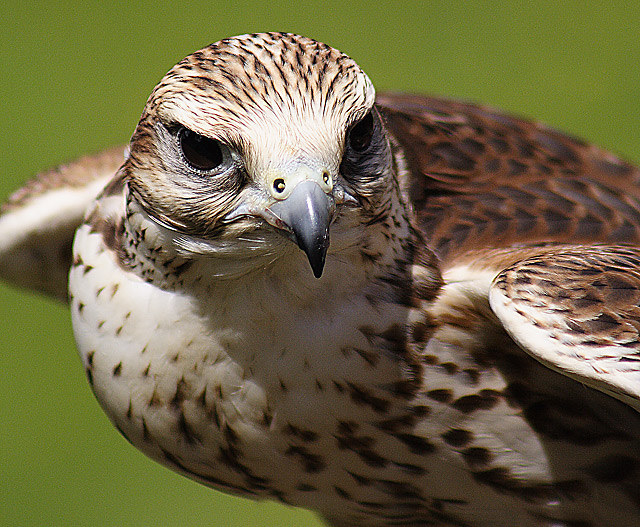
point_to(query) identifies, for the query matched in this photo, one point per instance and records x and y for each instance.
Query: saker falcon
(393, 310)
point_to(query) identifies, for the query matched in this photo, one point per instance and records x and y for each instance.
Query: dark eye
(199, 151)
(361, 133)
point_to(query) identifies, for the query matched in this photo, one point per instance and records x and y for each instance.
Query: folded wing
(577, 310)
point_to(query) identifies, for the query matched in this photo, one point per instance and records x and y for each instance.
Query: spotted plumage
(394, 311)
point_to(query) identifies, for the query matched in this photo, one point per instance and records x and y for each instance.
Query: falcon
(394, 310)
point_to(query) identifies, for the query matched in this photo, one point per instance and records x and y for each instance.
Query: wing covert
(577, 310)
(479, 178)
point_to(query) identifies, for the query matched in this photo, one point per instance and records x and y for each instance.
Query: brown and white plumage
(38, 221)
(467, 354)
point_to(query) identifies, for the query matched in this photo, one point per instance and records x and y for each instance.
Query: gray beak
(306, 214)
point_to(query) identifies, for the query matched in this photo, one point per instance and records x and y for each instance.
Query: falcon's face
(259, 136)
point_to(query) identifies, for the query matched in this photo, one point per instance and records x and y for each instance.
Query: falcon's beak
(306, 214)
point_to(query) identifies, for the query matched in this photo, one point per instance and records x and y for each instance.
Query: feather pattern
(468, 355)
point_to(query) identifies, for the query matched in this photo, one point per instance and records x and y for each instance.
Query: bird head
(258, 141)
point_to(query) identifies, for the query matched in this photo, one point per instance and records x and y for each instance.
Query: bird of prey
(394, 310)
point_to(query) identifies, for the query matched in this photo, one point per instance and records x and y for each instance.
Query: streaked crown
(252, 81)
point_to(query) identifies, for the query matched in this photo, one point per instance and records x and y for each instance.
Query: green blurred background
(75, 76)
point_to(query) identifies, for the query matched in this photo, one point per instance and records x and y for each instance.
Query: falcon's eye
(361, 133)
(199, 151)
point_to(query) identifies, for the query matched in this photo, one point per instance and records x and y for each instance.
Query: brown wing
(577, 310)
(479, 179)
(486, 187)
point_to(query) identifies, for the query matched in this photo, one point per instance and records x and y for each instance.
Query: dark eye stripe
(361, 133)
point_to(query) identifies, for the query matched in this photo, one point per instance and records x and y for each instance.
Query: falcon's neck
(370, 267)
(277, 322)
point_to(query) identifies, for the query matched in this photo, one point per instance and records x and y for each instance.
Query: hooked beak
(305, 215)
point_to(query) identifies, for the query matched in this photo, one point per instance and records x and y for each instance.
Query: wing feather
(38, 222)
(577, 310)
(479, 179)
